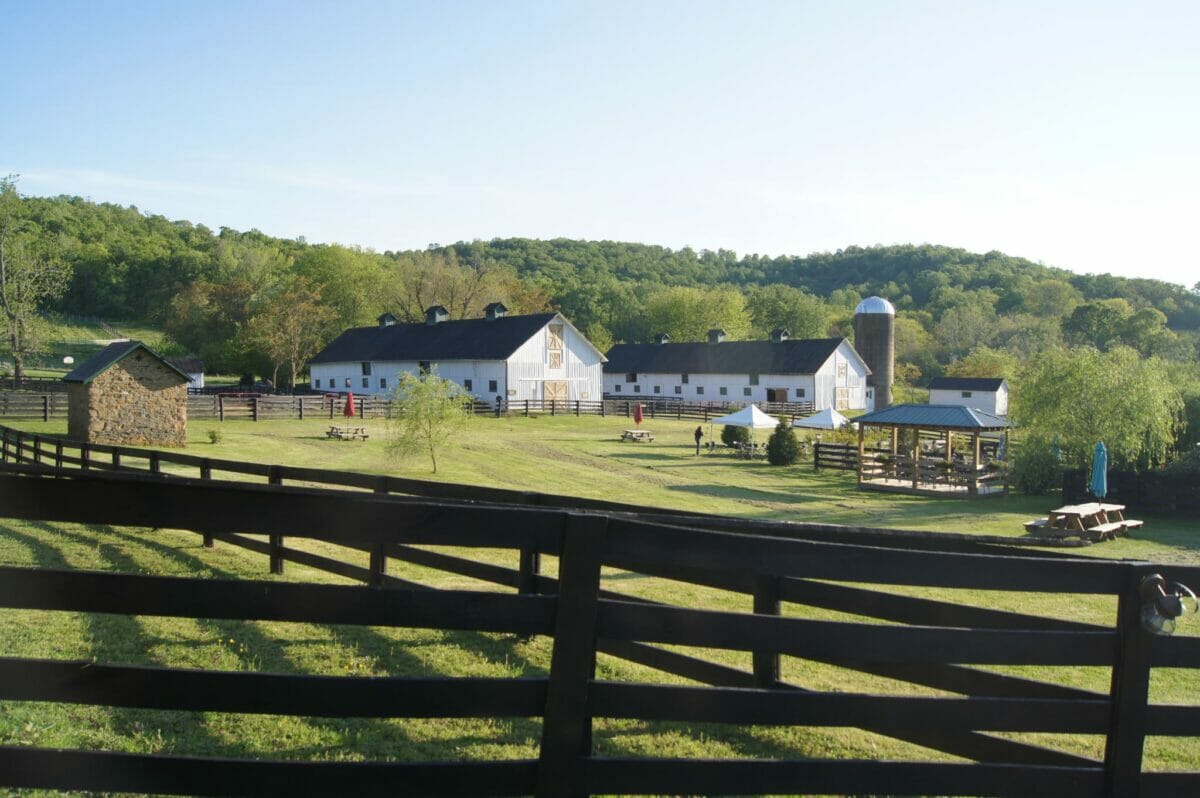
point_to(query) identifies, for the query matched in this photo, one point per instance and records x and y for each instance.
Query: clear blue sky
(1068, 134)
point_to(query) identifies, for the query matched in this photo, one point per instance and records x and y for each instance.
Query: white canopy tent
(826, 419)
(749, 416)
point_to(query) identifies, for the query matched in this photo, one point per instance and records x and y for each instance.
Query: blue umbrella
(1099, 484)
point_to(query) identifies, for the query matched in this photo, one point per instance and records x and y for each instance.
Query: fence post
(84, 453)
(626, 408)
(254, 408)
(566, 725)
(116, 460)
(553, 402)
(1129, 692)
(45, 407)
(155, 467)
(301, 400)
(652, 404)
(275, 541)
(362, 407)
(220, 408)
(20, 454)
(817, 456)
(331, 408)
(530, 568)
(602, 408)
(577, 407)
(206, 473)
(4, 445)
(497, 407)
(37, 448)
(58, 454)
(766, 602)
(526, 408)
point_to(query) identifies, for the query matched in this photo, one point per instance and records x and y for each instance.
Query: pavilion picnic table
(347, 433)
(1093, 521)
(637, 435)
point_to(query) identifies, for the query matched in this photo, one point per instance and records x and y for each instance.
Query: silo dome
(875, 304)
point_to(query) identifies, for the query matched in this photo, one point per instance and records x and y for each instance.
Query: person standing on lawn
(698, 434)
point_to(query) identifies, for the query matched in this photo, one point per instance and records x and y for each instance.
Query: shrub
(214, 436)
(732, 436)
(1036, 469)
(783, 448)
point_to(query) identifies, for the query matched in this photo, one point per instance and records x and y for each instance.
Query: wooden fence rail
(933, 642)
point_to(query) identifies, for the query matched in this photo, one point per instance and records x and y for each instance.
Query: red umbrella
(349, 411)
(637, 415)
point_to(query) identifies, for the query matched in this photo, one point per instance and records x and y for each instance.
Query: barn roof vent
(436, 314)
(495, 310)
(716, 336)
(780, 334)
(387, 320)
(662, 338)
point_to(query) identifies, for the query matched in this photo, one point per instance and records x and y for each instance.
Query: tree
(782, 446)
(426, 412)
(687, 314)
(291, 327)
(801, 314)
(30, 276)
(983, 361)
(1072, 398)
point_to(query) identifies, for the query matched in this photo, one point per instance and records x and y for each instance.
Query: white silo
(875, 340)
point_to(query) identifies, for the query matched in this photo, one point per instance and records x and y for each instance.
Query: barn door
(555, 391)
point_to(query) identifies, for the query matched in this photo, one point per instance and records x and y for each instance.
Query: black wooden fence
(931, 642)
(1144, 492)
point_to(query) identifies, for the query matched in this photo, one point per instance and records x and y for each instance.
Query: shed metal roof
(801, 356)
(934, 417)
(466, 339)
(109, 356)
(966, 383)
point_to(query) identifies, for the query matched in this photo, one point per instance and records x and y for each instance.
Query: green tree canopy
(427, 411)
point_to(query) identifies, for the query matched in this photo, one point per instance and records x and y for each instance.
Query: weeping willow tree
(1068, 399)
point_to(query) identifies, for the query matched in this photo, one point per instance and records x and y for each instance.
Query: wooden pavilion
(935, 450)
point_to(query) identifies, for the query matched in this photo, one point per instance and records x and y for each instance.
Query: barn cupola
(436, 314)
(662, 338)
(716, 336)
(386, 320)
(778, 335)
(495, 310)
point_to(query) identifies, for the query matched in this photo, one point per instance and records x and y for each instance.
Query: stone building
(127, 394)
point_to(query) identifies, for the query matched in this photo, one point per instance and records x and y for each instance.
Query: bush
(1035, 469)
(1186, 466)
(783, 448)
(732, 436)
(214, 436)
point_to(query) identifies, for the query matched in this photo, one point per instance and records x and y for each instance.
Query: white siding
(529, 367)
(995, 402)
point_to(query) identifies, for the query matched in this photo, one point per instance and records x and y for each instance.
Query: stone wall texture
(139, 401)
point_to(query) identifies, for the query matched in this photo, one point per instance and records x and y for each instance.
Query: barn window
(492, 386)
(617, 388)
(466, 385)
(331, 382)
(637, 389)
(316, 382)
(724, 391)
(556, 360)
(841, 371)
(383, 382)
(347, 382)
(799, 393)
(678, 389)
(658, 389)
(683, 378)
(366, 369)
(366, 382)
(746, 391)
(699, 390)
(631, 376)
(754, 379)
(966, 394)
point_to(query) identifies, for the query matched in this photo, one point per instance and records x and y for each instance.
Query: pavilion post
(895, 442)
(949, 446)
(1005, 464)
(973, 486)
(916, 458)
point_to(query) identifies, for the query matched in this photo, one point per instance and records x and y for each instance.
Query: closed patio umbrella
(637, 415)
(1099, 483)
(348, 411)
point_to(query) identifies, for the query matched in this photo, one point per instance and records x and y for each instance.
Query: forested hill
(224, 294)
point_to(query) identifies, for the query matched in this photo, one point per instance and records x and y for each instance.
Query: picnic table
(1092, 520)
(637, 435)
(346, 433)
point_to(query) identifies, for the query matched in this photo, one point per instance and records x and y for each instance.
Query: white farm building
(981, 393)
(827, 372)
(536, 357)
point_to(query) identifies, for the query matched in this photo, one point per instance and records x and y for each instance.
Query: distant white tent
(749, 416)
(826, 419)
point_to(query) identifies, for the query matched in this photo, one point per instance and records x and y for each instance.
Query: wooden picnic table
(346, 433)
(1092, 520)
(637, 435)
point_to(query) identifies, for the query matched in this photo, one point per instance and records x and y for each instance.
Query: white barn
(827, 372)
(981, 393)
(536, 357)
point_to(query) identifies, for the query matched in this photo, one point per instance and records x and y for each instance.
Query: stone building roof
(966, 383)
(110, 356)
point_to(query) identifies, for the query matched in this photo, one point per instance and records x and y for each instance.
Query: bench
(347, 433)
(1105, 531)
(1132, 524)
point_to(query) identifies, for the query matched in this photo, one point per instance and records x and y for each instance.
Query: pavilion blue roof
(934, 417)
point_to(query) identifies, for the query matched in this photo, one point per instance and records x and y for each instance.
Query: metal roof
(727, 357)
(876, 305)
(934, 417)
(966, 383)
(466, 339)
(109, 356)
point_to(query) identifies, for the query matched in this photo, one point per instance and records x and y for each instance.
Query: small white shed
(989, 394)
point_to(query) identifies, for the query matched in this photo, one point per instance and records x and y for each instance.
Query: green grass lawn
(564, 455)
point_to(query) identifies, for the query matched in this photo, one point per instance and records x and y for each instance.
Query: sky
(1067, 133)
